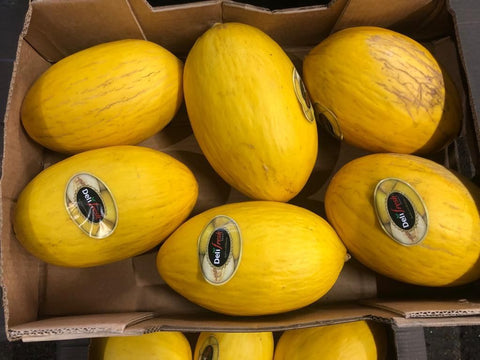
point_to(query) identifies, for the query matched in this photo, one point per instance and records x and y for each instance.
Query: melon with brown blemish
(382, 91)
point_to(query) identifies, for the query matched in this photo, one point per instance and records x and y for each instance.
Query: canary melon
(382, 91)
(165, 345)
(115, 93)
(359, 340)
(250, 112)
(408, 218)
(104, 205)
(234, 346)
(252, 258)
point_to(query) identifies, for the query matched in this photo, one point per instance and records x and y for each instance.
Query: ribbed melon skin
(383, 91)
(241, 102)
(449, 253)
(164, 345)
(290, 257)
(115, 93)
(236, 345)
(359, 340)
(153, 192)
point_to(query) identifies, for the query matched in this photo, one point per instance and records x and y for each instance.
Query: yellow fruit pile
(399, 214)
(360, 340)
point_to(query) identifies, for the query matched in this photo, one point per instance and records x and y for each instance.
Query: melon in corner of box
(250, 112)
(114, 93)
(382, 91)
(408, 218)
(103, 205)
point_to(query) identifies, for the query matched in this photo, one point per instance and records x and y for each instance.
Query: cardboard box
(45, 302)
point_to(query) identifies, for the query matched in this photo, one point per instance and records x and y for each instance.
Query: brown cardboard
(289, 27)
(386, 14)
(23, 280)
(93, 325)
(45, 302)
(71, 327)
(176, 37)
(314, 315)
(401, 322)
(466, 23)
(423, 19)
(428, 308)
(97, 290)
(56, 30)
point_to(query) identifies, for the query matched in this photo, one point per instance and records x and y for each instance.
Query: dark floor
(446, 343)
(453, 343)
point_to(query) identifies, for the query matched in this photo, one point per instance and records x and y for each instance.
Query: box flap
(60, 28)
(428, 308)
(463, 153)
(181, 24)
(399, 322)
(70, 291)
(21, 160)
(420, 18)
(467, 25)
(296, 27)
(314, 315)
(71, 327)
(129, 324)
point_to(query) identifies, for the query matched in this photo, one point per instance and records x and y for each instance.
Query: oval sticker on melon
(91, 206)
(219, 249)
(209, 349)
(401, 211)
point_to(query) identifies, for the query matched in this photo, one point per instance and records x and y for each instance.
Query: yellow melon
(115, 93)
(234, 346)
(408, 218)
(249, 112)
(252, 258)
(359, 340)
(165, 345)
(104, 205)
(382, 91)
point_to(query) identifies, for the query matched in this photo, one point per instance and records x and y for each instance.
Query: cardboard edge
(135, 19)
(431, 310)
(76, 327)
(132, 324)
(197, 329)
(469, 78)
(181, 6)
(303, 318)
(4, 291)
(409, 343)
(257, 8)
(55, 48)
(440, 314)
(401, 322)
(237, 4)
